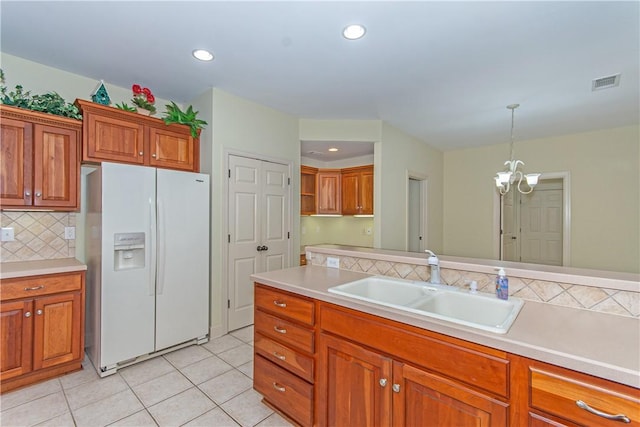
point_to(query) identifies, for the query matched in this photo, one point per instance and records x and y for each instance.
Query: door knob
(259, 248)
(262, 248)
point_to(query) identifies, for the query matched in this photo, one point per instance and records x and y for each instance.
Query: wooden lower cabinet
(284, 348)
(42, 324)
(424, 398)
(360, 386)
(549, 396)
(364, 370)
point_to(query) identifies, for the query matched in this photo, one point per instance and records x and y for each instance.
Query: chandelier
(504, 180)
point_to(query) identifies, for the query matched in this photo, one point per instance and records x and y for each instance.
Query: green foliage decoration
(175, 115)
(124, 106)
(50, 103)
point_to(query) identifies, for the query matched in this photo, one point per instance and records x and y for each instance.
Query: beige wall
(605, 198)
(345, 230)
(240, 126)
(402, 155)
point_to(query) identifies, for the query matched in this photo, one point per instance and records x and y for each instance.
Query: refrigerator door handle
(151, 248)
(162, 253)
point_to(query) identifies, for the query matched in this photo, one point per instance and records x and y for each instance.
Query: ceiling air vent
(605, 82)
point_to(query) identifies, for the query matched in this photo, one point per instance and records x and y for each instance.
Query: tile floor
(208, 385)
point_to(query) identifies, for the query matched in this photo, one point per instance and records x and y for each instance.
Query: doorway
(416, 213)
(533, 225)
(258, 230)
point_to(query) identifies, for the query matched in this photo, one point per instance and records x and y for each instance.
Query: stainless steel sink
(477, 310)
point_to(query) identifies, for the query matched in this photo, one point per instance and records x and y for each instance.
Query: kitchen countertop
(11, 270)
(600, 344)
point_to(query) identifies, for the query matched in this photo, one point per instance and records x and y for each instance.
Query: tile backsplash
(593, 298)
(38, 236)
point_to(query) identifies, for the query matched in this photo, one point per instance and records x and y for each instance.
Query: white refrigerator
(147, 244)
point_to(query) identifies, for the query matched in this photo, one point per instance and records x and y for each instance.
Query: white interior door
(510, 227)
(541, 227)
(258, 230)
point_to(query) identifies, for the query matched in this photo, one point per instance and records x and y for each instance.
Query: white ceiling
(441, 71)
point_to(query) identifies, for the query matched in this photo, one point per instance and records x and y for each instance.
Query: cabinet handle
(396, 388)
(279, 356)
(27, 194)
(278, 387)
(38, 194)
(39, 312)
(621, 417)
(153, 155)
(27, 314)
(280, 304)
(279, 330)
(34, 288)
(383, 382)
(141, 153)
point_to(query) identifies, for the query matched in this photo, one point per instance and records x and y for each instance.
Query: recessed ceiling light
(202, 55)
(354, 32)
(333, 149)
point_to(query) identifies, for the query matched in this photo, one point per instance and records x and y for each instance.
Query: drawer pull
(396, 388)
(280, 330)
(280, 304)
(383, 382)
(39, 312)
(27, 314)
(622, 418)
(278, 387)
(279, 356)
(34, 288)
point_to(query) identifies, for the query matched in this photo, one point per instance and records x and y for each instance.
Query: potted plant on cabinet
(175, 115)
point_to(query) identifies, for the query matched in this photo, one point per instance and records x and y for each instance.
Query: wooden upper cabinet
(40, 166)
(171, 149)
(114, 135)
(308, 190)
(328, 195)
(357, 190)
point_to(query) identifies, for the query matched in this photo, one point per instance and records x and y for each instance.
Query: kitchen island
(515, 375)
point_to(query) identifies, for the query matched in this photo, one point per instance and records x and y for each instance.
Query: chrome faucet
(434, 263)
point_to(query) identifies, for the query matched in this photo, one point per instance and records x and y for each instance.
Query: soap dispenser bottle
(502, 284)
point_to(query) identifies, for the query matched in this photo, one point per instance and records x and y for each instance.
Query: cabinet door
(307, 190)
(354, 385)
(16, 155)
(170, 149)
(56, 177)
(422, 398)
(350, 190)
(366, 192)
(16, 328)
(329, 192)
(111, 139)
(57, 329)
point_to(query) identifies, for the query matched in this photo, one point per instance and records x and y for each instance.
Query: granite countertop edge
(561, 336)
(17, 269)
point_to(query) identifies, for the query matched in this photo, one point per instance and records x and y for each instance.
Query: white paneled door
(259, 224)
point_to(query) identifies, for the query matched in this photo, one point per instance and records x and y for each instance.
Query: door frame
(424, 208)
(565, 176)
(225, 221)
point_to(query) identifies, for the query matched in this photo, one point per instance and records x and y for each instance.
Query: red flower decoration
(150, 98)
(136, 89)
(146, 91)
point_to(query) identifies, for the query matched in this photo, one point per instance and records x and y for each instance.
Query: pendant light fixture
(505, 179)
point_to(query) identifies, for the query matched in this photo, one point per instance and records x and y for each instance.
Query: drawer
(284, 304)
(557, 395)
(285, 391)
(283, 331)
(284, 356)
(33, 286)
